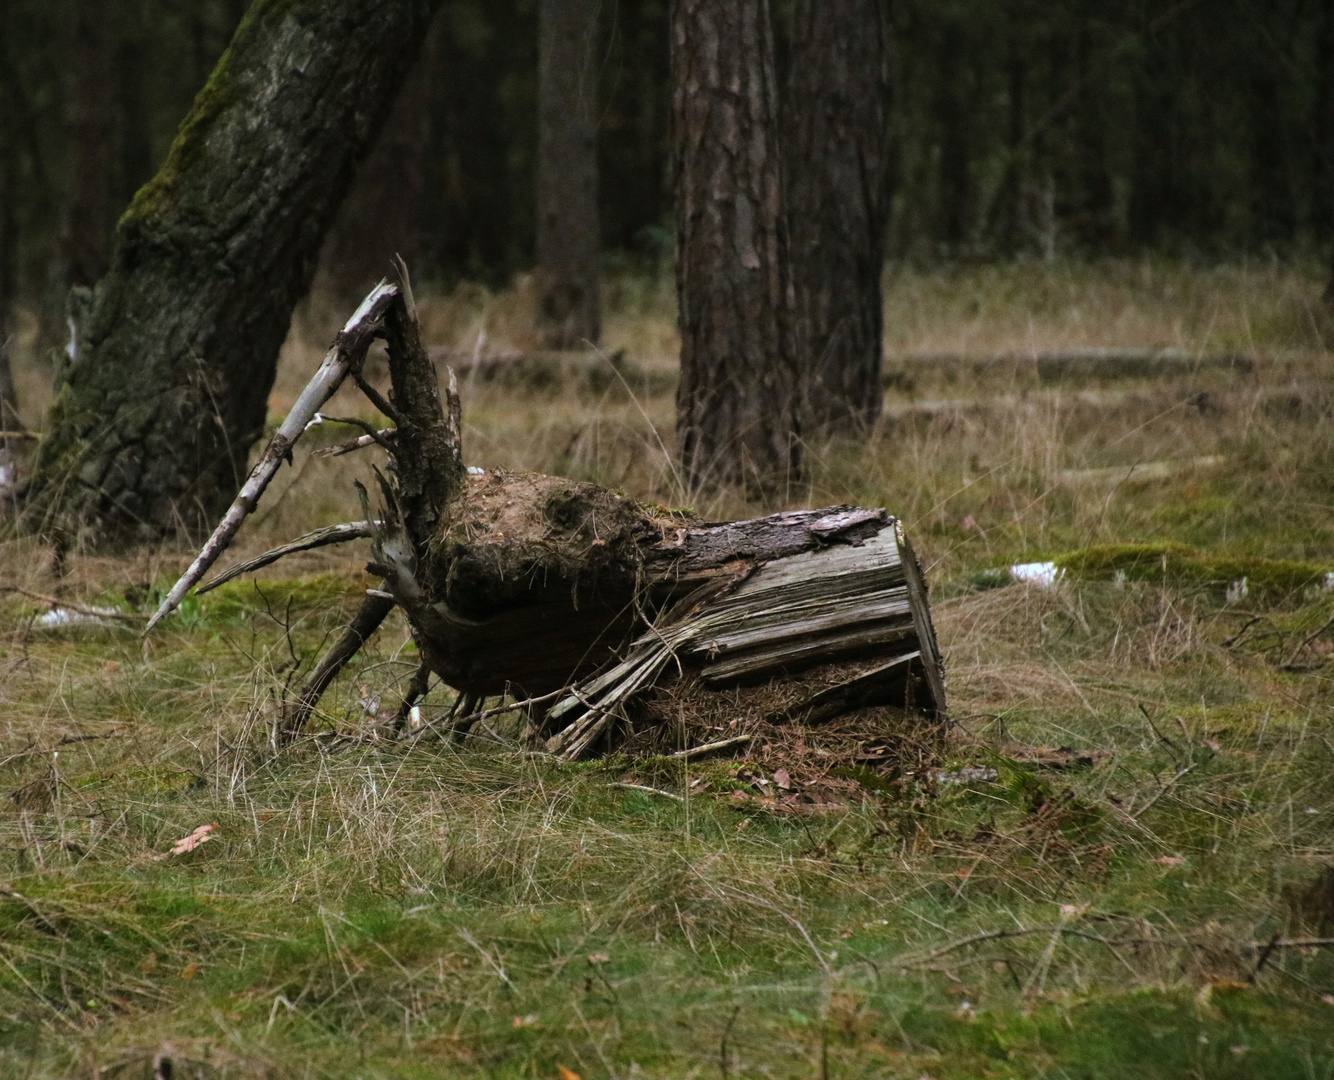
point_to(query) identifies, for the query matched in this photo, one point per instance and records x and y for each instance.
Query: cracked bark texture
(838, 146)
(738, 406)
(568, 230)
(150, 434)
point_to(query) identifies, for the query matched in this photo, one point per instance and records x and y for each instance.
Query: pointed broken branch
(334, 534)
(348, 351)
(383, 438)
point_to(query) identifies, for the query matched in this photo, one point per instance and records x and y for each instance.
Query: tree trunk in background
(9, 402)
(171, 382)
(382, 214)
(838, 154)
(738, 409)
(1322, 125)
(92, 115)
(9, 155)
(568, 233)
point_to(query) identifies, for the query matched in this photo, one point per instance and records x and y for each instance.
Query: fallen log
(1074, 365)
(595, 609)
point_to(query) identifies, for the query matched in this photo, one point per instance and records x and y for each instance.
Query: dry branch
(333, 534)
(348, 352)
(55, 602)
(1063, 365)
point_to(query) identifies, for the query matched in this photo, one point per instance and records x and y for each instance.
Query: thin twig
(495, 710)
(372, 432)
(1161, 792)
(82, 609)
(651, 790)
(384, 437)
(334, 534)
(709, 748)
(377, 399)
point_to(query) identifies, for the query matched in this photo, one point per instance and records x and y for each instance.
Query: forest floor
(1107, 873)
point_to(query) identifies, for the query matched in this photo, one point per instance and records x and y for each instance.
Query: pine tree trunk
(838, 154)
(382, 215)
(567, 178)
(88, 200)
(9, 154)
(1322, 117)
(171, 382)
(738, 404)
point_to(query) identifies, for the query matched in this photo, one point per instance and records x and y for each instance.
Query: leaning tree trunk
(567, 174)
(170, 384)
(738, 408)
(837, 145)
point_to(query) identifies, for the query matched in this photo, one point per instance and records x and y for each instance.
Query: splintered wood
(841, 596)
(602, 618)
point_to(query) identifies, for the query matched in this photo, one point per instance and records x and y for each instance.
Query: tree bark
(170, 384)
(9, 151)
(838, 147)
(87, 222)
(738, 405)
(382, 215)
(568, 231)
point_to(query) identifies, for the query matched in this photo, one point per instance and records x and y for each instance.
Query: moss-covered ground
(1109, 873)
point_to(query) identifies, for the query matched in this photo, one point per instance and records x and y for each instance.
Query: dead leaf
(783, 779)
(148, 964)
(1170, 860)
(189, 971)
(598, 958)
(188, 843)
(567, 1074)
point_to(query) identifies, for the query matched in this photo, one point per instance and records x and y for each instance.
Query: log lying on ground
(549, 370)
(537, 587)
(1057, 366)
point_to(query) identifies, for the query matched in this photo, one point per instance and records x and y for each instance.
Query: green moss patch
(1186, 565)
(300, 595)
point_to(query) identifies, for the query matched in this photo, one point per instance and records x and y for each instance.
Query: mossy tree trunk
(568, 312)
(738, 407)
(837, 142)
(170, 385)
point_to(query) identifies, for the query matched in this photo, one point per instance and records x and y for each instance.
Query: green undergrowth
(280, 598)
(370, 908)
(1178, 562)
(1135, 801)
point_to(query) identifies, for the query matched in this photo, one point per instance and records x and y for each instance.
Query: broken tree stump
(595, 610)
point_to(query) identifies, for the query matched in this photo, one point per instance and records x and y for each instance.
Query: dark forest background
(1025, 128)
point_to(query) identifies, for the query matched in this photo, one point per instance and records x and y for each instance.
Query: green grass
(371, 908)
(374, 908)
